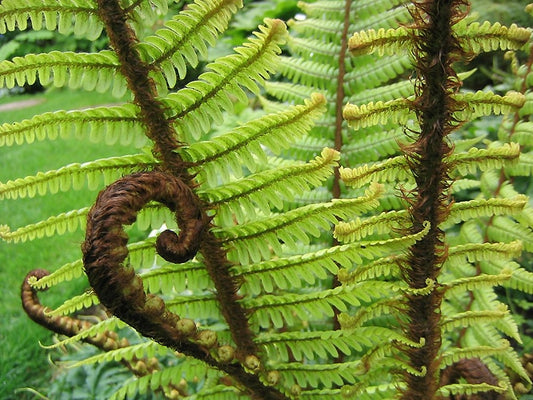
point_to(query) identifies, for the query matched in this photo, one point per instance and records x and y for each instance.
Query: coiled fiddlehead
(121, 290)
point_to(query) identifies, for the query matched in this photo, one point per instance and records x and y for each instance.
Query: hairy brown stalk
(122, 291)
(70, 326)
(160, 130)
(435, 49)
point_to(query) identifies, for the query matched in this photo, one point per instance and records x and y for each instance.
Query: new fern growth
(248, 291)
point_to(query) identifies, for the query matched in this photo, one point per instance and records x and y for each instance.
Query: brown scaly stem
(435, 49)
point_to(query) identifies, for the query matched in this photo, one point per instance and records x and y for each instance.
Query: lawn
(24, 363)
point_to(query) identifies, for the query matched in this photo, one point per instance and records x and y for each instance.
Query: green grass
(24, 362)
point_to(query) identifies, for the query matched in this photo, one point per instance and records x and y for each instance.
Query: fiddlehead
(69, 326)
(122, 291)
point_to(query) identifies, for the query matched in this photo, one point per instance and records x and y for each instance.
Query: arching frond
(109, 124)
(90, 71)
(202, 101)
(64, 15)
(74, 176)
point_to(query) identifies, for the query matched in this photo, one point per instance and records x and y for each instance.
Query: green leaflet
(186, 34)
(100, 124)
(74, 176)
(93, 71)
(264, 190)
(254, 239)
(67, 16)
(202, 101)
(226, 154)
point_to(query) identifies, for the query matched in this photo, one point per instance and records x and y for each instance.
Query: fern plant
(235, 297)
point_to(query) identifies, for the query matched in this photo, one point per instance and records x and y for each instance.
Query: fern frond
(465, 210)
(384, 41)
(451, 356)
(360, 228)
(505, 230)
(186, 34)
(394, 111)
(474, 282)
(392, 169)
(74, 176)
(325, 344)
(67, 16)
(371, 146)
(484, 159)
(458, 389)
(109, 324)
(202, 101)
(285, 273)
(226, 154)
(521, 279)
(91, 71)
(288, 308)
(146, 349)
(75, 303)
(327, 375)
(109, 124)
(469, 318)
(200, 306)
(168, 279)
(482, 103)
(59, 224)
(264, 190)
(189, 371)
(474, 252)
(308, 73)
(476, 37)
(253, 240)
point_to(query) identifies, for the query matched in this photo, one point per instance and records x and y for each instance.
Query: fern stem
(435, 48)
(160, 130)
(122, 38)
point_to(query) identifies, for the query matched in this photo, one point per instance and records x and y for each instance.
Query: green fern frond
(59, 224)
(333, 9)
(74, 176)
(146, 349)
(291, 93)
(75, 303)
(308, 73)
(371, 146)
(188, 371)
(257, 239)
(474, 252)
(376, 73)
(458, 389)
(465, 210)
(325, 344)
(186, 34)
(451, 356)
(476, 37)
(521, 279)
(263, 190)
(505, 230)
(203, 100)
(392, 169)
(474, 282)
(384, 41)
(394, 111)
(91, 71)
(469, 318)
(202, 307)
(484, 159)
(106, 325)
(327, 375)
(360, 228)
(67, 16)
(286, 273)
(483, 103)
(109, 124)
(226, 154)
(168, 279)
(317, 27)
